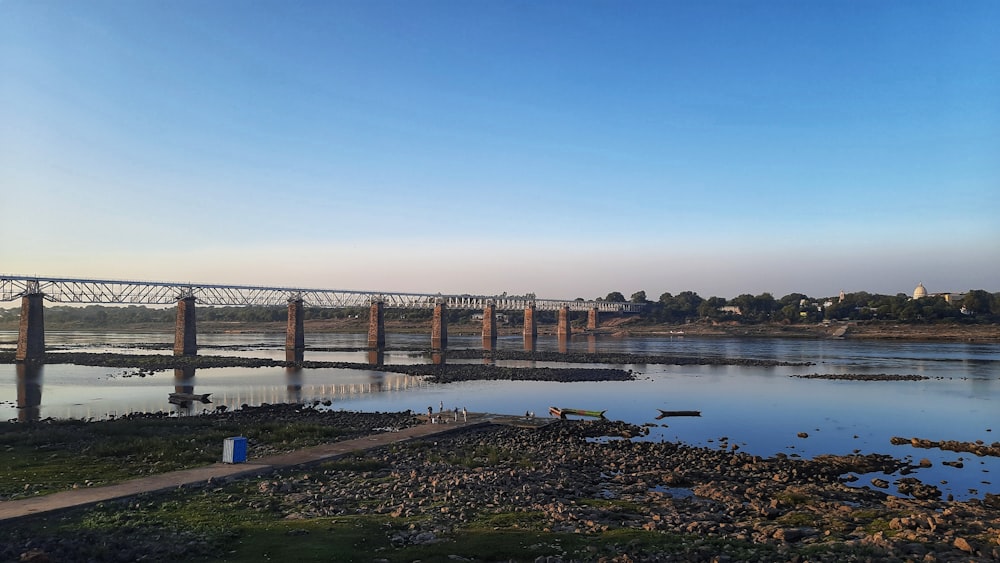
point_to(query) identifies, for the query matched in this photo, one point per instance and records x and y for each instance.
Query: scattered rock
(963, 544)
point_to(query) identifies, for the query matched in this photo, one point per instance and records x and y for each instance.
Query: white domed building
(920, 292)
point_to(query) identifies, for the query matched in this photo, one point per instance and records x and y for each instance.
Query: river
(760, 410)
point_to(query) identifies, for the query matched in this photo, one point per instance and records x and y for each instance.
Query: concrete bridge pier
(439, 327)
(295, 334)
(530, 328)
(593, 318)
(185, 329)
(31, 329)
(489, 325)
(376, 325)
(563, 329)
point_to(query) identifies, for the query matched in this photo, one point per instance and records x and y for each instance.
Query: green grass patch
(793, 497)
(615, 505)
(798, 519)
(509, 520)
(41, 458)
(354, 463)
(879, 525)
(484, 545)
(353, 538)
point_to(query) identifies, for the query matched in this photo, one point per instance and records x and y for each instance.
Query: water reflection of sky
(760, 409)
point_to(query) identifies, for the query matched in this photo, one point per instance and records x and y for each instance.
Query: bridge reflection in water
(163, 398)
(298, 392)
(29, 391)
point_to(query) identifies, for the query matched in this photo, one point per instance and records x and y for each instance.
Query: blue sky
(568, 149)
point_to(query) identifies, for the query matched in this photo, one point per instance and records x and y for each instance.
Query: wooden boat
(664, 414)
(561, 412)
(178, 398)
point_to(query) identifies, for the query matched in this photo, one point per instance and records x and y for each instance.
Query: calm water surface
(761, 409)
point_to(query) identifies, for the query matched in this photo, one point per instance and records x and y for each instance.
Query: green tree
(977, 301)
(711, 308)
(755, 309)
(615, 297)
(638, 297)
(791, 307)
(689, 301)
(794, 299)
(789, 313)
(838, 310)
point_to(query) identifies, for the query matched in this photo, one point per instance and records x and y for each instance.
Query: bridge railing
(129, 292)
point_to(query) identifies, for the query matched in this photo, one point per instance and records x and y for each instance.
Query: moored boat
(562, 412)
(664, 413)
(185, 397)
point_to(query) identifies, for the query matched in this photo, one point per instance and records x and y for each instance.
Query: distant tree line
(976, 305)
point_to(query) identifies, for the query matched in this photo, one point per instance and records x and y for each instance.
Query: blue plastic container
(234, 450)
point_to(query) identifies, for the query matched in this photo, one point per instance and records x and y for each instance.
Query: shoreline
(867, 330)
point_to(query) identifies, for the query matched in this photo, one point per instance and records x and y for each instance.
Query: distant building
(920, 292)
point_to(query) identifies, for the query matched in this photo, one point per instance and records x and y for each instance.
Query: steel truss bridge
(126, 292)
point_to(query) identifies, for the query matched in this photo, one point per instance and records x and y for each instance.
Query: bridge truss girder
(122, 292)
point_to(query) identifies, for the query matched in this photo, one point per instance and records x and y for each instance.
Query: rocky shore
(561, 479)
(978, 448)
(590, 491)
